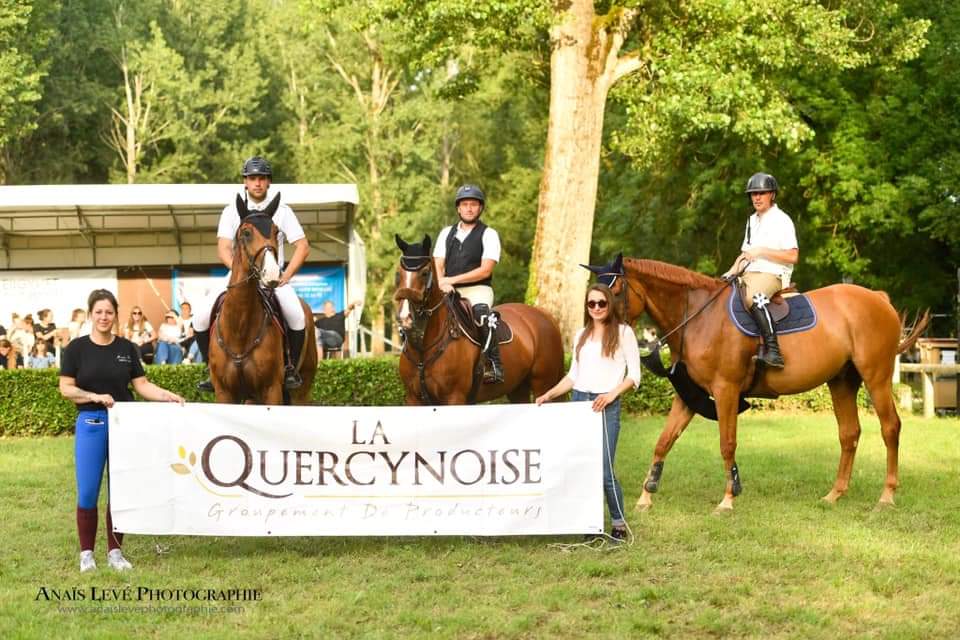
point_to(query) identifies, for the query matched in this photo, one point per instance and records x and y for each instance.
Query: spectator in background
(332, 327)
(45, 330)
(40, 358)
(9, 358)
(139, 331)
(187, 339)
(78, 322)
(22, 334)
(3, 331)
(168, 344)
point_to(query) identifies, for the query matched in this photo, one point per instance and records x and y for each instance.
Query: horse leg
(880, 388)
(726, 397)
(843, 390)
(678, 419)
(520, 394)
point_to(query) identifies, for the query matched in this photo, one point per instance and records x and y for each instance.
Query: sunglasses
(596, 304)
(136, 313)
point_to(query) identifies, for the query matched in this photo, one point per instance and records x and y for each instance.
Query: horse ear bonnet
(607, 272)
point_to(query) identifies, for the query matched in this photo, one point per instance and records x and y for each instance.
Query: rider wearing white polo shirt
(465, 256)
(257, 175)
(769, 251)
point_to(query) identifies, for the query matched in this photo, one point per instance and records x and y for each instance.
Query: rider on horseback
(766, 261)
(465, 256)
(257, 176)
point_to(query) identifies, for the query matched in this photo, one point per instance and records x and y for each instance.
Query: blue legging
(90, 452)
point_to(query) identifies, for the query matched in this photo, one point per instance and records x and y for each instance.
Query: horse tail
(919, 326)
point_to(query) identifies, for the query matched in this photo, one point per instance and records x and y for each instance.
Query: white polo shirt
(284, 218)
(773, 230)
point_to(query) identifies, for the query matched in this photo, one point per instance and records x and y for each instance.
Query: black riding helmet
(760, 183)
(256, 166)
(470, 192)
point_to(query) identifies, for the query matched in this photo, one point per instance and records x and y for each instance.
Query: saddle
(470, 326)
(792, 312)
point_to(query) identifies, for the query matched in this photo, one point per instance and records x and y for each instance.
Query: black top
(337, 322)
(18, 364)
(102, 369)
(38, 329)
(465, 256)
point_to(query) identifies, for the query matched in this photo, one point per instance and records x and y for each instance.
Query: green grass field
(781, 566)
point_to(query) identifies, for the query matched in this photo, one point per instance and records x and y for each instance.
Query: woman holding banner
(603, 349)
(96, 371)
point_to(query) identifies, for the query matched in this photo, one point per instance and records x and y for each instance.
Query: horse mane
(673, 274)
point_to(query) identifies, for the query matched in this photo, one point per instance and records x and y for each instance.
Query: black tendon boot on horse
(291, 377)
(493, 372)
(770, 350)
(203, 343)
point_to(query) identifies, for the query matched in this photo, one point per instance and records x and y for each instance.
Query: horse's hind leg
(678, 419)
(881, 393)
(843, 390)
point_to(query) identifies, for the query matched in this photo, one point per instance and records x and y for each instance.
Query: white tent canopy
(74, 226)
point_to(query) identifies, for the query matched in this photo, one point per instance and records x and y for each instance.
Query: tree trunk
(583, 66)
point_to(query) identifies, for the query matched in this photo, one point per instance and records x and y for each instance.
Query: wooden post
(928, 401)
(896, 369)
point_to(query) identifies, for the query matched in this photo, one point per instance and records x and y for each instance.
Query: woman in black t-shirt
(96, 371)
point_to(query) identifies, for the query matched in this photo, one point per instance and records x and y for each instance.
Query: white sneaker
(116, 561)
(87, 562)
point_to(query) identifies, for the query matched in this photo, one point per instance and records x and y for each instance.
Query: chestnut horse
(439, 365)
(855, 340)
(246, 346)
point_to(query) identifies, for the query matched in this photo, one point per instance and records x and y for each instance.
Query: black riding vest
(465, 256)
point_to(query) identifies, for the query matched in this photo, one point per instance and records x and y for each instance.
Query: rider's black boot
(494, 373)
(770, 350)
(203, 343)
(291, 377)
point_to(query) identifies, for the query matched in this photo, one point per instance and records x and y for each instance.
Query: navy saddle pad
(802, 316)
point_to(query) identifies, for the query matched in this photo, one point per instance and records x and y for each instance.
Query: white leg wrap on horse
(291, 308)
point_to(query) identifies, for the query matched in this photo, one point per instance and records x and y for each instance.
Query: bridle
(254, 274)
(421, 313)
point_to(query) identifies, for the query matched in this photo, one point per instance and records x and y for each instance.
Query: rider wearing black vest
(465, 255)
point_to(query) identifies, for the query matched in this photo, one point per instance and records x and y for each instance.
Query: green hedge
(31, 405)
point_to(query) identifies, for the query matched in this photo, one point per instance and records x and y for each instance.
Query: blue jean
(194, 354)
(611, 433)
(90, 451)
(168, 353)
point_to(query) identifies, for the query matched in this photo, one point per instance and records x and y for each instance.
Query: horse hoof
(885, 505)
(643, 507)
(830, 499)
(723, 510)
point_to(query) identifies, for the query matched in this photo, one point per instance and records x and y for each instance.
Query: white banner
(211, 469)
(61, 291)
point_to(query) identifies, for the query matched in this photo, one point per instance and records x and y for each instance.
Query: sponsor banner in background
(314, 284)
(60, 290)
(225, 470)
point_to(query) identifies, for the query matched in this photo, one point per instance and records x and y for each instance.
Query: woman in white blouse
(605, 363)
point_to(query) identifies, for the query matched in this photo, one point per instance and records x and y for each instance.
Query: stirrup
(291, 379)
(492, 374)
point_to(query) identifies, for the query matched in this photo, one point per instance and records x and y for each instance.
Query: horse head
(256, 243)
(415, 287)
